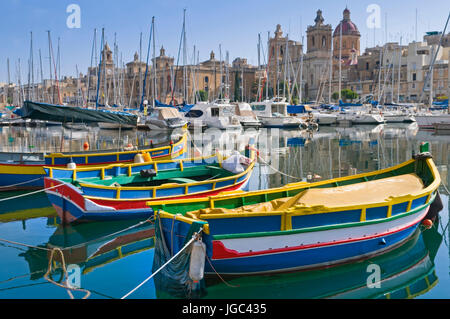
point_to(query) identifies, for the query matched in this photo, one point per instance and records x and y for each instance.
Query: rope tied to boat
(52, 251)
(22, 183)
(194, 237)
(30, 193)
(276, 170)
(66, 284)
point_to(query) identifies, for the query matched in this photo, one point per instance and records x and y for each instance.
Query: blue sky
(233, 24)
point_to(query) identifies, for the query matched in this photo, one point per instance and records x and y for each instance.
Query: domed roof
(348, 27)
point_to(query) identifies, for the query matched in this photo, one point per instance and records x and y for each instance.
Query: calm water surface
(114, 257)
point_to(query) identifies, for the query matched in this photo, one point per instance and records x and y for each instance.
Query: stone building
(282, 52)
(317, 59)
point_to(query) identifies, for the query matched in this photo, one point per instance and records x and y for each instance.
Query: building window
(312, 40)
(414, 76)
(324, 41)
(206, 79)
(367, 65)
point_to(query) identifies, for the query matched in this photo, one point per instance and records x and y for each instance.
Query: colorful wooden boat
(121, 191)
(27, 172)
(407, 271)
(304, 225)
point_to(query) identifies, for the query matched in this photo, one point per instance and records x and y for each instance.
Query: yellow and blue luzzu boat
(121, 191)
(305, 225)
(24, 171)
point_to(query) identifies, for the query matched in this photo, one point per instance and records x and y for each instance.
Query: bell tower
(319, 35)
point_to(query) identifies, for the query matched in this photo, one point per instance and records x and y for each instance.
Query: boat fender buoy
(71, 165)
(197, 262)
(139, 158)
(147, 157)
(427, 223)
(86, 146)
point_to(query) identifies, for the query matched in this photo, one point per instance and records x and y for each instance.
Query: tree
(335, 96)
(202, 95)
(346, 94)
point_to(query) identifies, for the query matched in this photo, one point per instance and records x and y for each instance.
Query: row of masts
(291, 75)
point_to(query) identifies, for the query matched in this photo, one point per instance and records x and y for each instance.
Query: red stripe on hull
(221, 252)
(130, 204)
(65, 191)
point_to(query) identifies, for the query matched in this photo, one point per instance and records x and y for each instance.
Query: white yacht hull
(280, 122)
(361, 118)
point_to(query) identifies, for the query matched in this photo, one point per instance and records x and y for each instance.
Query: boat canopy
(168, 113)
(61, 113)
(349, 104)
(381, 190)
(244, 109)
(295, 109)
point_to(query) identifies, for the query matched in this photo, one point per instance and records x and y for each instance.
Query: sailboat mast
(146, 68)
(50, 69)
(331, 75)
(434, 59)
(300, 92)
(430, 98)
(154, 62)
(42, 74)
(32, 67)
(221, 71)
(340, 59)
(267, 68)
(89, 75)
(379, 78)
(140, 59)
(399, 69)
(99, 68)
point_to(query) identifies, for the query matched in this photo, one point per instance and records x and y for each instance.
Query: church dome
(348, 27)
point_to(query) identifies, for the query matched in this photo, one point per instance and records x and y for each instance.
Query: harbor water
(109, 259)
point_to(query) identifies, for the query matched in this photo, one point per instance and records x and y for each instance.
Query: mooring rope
(66, 284)
(276, 170)
(49, 268)
(194, 237)
(22, 183)
(221, 278)
(445, 187)
(65, 248)
(30, 193)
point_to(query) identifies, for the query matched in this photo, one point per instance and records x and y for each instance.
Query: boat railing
(394, 207)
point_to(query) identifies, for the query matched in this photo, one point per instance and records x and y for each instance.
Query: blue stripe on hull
(308, 258)
(72, 210)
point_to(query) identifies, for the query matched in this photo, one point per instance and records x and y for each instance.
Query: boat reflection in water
(91, 245)
(407, 271)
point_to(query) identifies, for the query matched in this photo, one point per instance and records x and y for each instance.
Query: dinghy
(121, 191)
(305, 225)
(26, 171)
